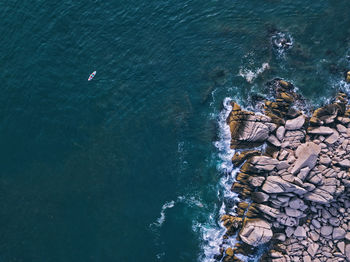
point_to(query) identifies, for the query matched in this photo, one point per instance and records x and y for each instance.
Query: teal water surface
(125, 167)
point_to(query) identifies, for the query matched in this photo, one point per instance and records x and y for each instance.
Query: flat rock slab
(322, 130)
(307, 155)
(275, 184)
(332, 138)
(345, 163)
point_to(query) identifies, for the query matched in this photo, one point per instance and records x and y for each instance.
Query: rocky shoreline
(295, 188)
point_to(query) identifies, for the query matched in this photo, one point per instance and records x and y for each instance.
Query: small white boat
(92, 76)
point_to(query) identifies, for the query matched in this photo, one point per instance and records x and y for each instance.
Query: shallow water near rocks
(135, 165)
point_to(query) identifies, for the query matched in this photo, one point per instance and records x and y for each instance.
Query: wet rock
(325, 114)
(229, 252)
(348, 77)
(256, 232)
(248, 129)
(232, 223)
(240, 157)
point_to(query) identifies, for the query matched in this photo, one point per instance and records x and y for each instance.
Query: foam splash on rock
(295, 192)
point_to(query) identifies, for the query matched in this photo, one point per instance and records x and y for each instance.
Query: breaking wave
(250, 75)
(189, 201)
(281, 43)
(212, 231)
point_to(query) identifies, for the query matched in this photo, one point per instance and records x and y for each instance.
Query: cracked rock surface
(295, 191)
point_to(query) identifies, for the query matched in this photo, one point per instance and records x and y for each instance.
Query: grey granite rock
(280, 133)
(332, 138)
(256, 232)
(296, 123)
(312, 249)
(338, 233)
(263, 163)
(300, 232)
(275, 184)
(306, 156)
(341, 128)
(256, 181)
(345, 163)
(326, 230)
(297, 203)
(322, 130)
(274, 141)
(325, 160)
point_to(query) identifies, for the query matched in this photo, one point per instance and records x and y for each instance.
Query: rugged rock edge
(296, 193)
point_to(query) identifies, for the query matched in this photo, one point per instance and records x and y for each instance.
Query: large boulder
(296, 123)
(307, 155)
(275, 185)
(247, 128)
(325, 115)
(292, 138)
(256, 232)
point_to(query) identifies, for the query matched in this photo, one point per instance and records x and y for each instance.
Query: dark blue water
(125, 168)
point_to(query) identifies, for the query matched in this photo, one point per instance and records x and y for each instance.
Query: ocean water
(135, 165)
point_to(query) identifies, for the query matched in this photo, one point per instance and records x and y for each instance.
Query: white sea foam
(189, 201)
(251, 75)
(282, 42)
(212, 231)
(161, 219)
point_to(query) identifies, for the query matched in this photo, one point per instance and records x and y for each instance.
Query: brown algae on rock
(296, 190)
